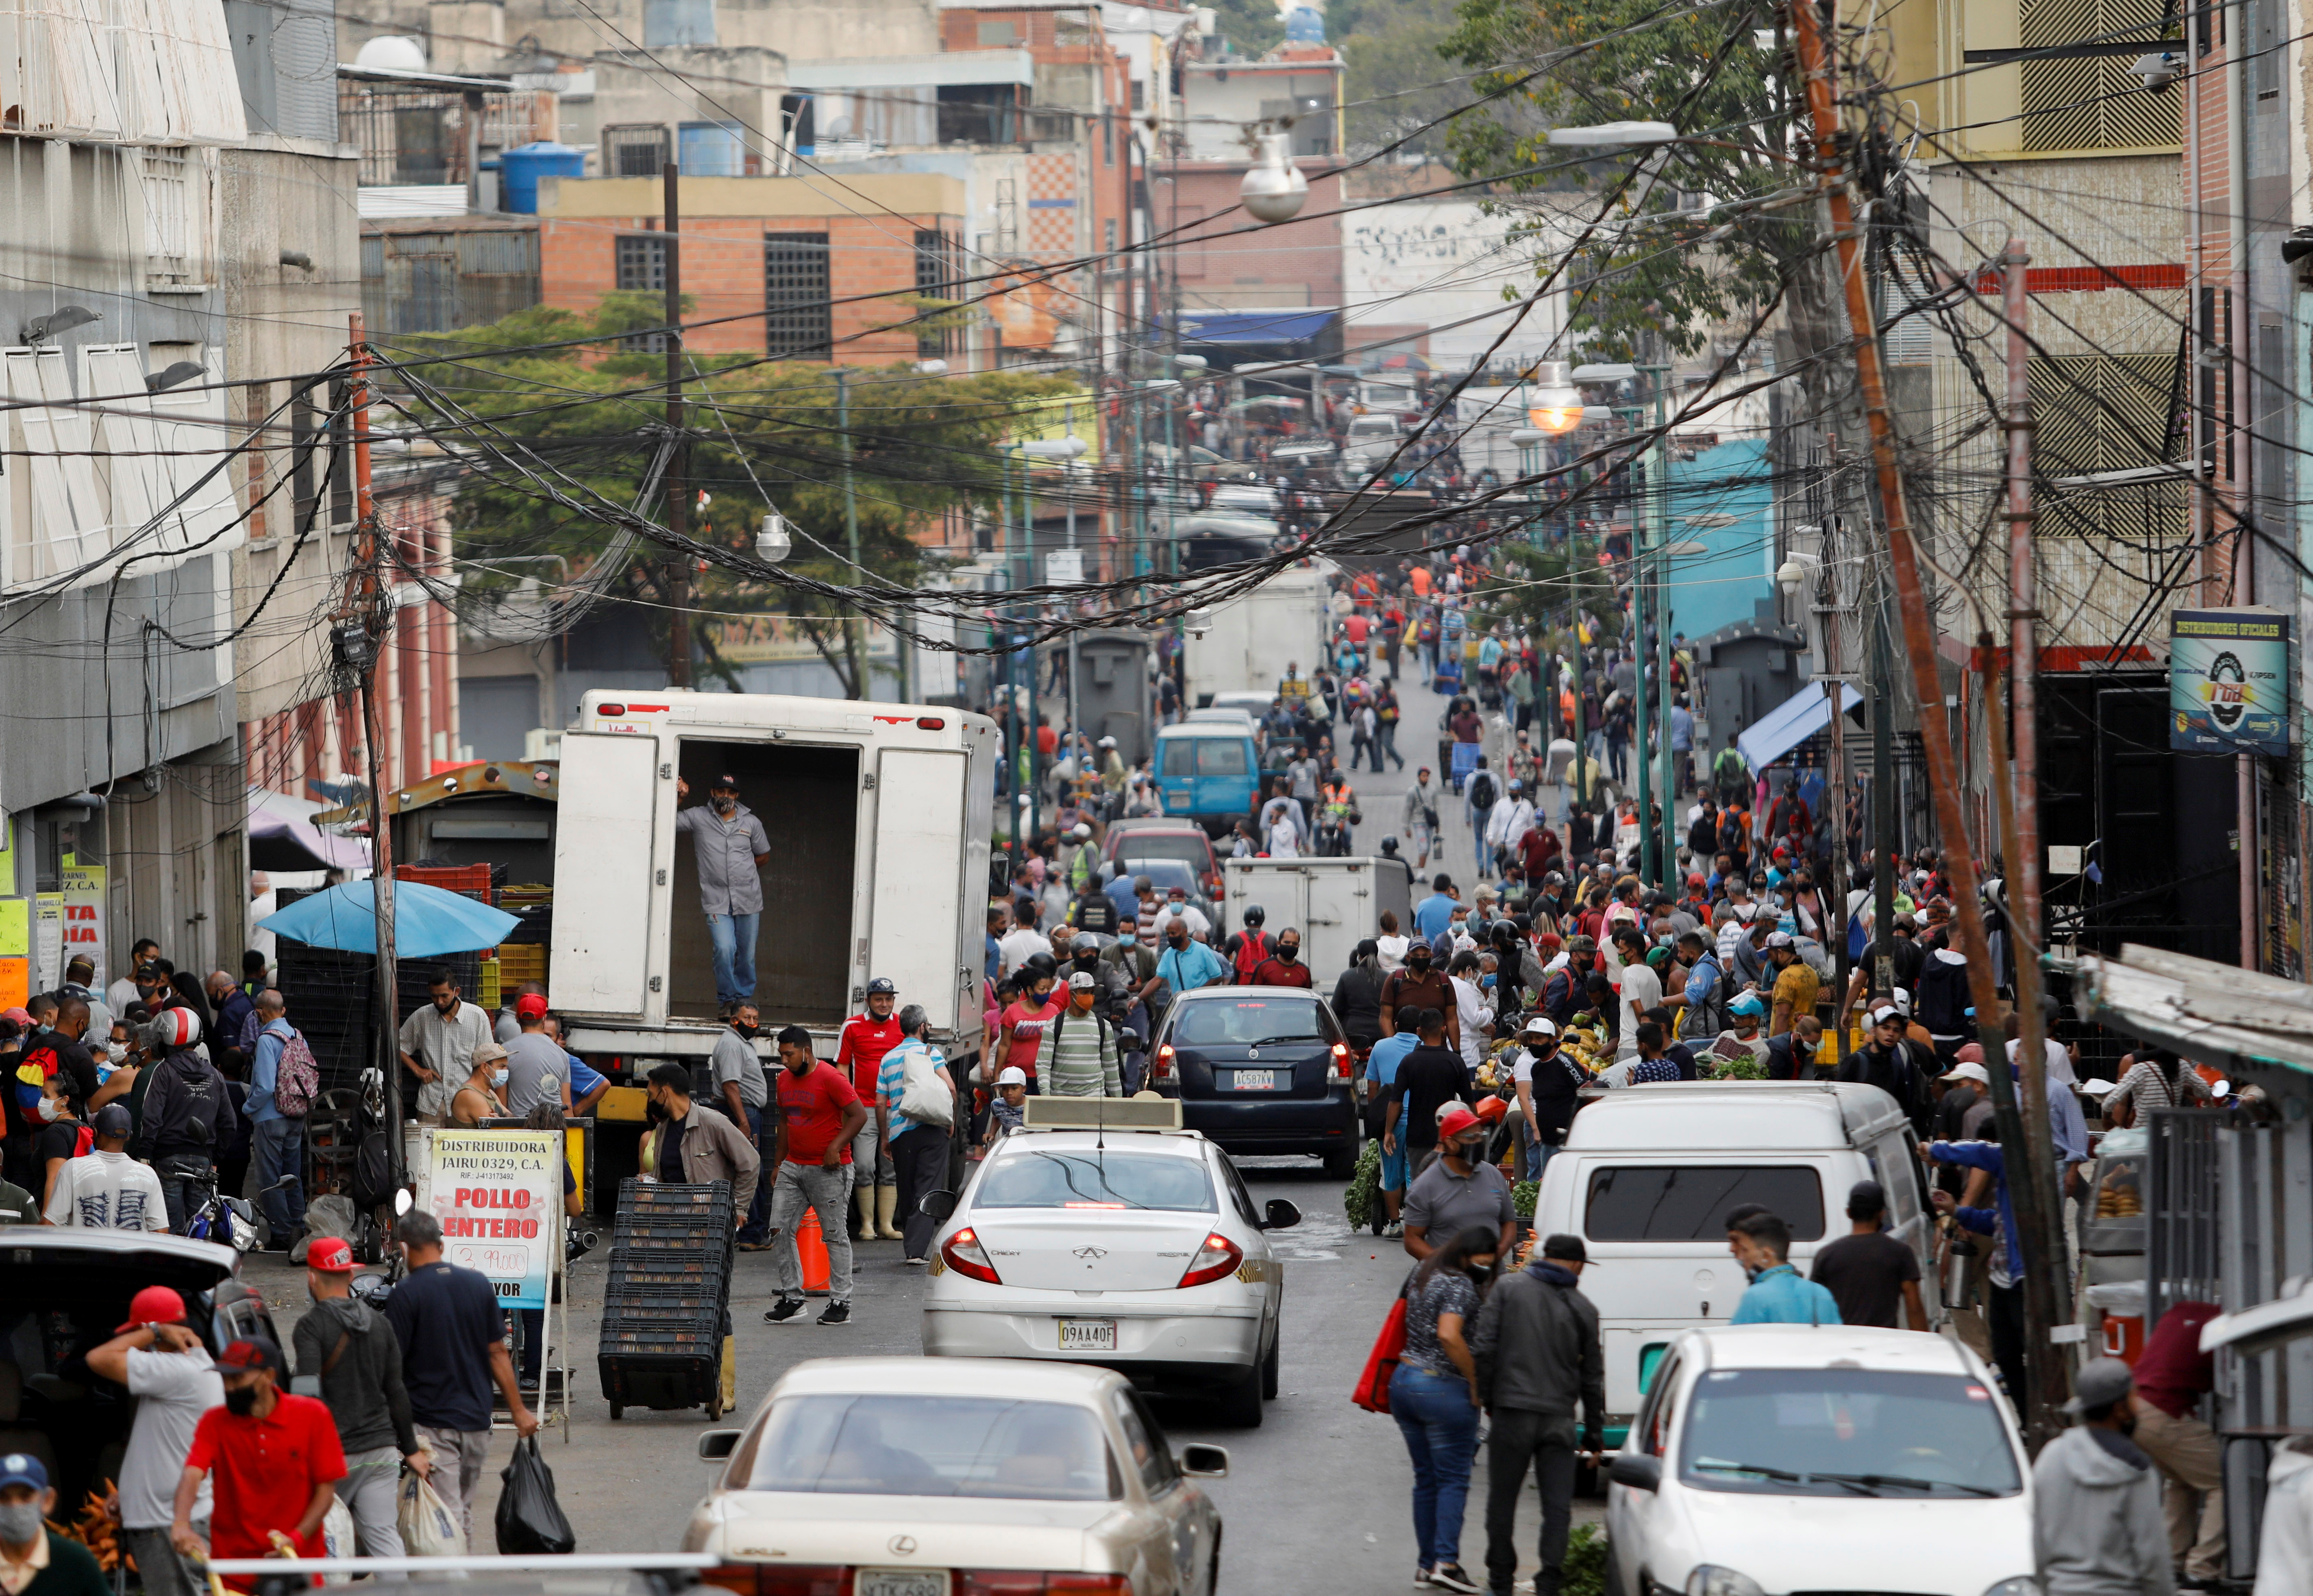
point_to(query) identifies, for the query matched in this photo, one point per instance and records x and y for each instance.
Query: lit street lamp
(1553, 404)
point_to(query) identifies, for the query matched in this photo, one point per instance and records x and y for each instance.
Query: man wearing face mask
(478, 1100)
(1458, 1189)
(820, 1116)
(1419, 985)
(745, 1095)
(730, 846)
(859, 1052)
(354, 1354)
(1283, 967)
(275, 1460)
(438, 1045)
(1187, 964)
(35, 1560)
(158, 1359)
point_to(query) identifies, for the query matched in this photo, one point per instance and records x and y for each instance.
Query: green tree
(1537, 590)
(1397, 80)
(1252, 26)
(763, 436)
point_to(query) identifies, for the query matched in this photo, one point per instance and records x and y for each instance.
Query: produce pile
(98, 1527)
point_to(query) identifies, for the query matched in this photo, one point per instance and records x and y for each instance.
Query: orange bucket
(811, 1251)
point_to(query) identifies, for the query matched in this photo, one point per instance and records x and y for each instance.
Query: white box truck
(879, 817)
(1252, 638)
(1334, 903)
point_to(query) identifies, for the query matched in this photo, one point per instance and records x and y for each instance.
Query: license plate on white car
(1255, 1081)
(900, 1581)
(1085, 1334)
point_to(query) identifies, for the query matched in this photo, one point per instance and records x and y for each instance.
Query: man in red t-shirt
(1282, 968)
(2172, 1375)
(820, 1116)
(275, 1460)
(859, 1055)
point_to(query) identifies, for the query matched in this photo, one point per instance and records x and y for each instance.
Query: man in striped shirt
(1080, 1058)
(918, 1150)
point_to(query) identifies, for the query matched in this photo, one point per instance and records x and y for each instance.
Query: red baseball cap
(252, 1352)
(331, 1255)
(1458, 1118)
(531, 1005)
(155, 1304)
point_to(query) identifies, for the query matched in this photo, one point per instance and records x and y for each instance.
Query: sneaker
(837, 1313)
(1393, 1229)
(1421, 1579)
(783, 1310)
(915, 1263)
(1448, 1576)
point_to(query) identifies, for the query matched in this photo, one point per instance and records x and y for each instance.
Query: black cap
(726, 783)
(881, 987)
(114, 1119)
(1866, 1197)
(1564, 1248)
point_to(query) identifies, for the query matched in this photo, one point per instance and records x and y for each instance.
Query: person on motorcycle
(1247, 948)
(1337, 813)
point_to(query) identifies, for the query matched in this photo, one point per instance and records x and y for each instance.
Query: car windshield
(1846, 1432)
(1046, 1177)
(1689, 1202)
(1246, 1022)
(935, 1446)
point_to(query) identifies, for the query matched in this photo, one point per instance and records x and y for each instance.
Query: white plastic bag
(428, 1528)
(339, 1539)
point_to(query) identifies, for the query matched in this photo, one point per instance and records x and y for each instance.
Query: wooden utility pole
(375, 595)
(2040, 1231)
(678, 476)
(855, 625)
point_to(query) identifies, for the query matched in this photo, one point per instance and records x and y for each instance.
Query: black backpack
(1482, 790)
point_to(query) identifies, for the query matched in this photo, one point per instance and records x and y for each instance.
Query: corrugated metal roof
(2204, 1010)
(391, 200)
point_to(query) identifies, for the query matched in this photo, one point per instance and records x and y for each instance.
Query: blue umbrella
(427, 921)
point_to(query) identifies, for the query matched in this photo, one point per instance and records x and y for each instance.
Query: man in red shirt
(1282, 968)
(2172, 1375)
(275, 1460)
(859, 1056)
(820, 1116)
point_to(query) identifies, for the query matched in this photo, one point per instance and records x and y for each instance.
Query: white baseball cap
(1536, 1025)
(1968, 1072)
(1012, 1076)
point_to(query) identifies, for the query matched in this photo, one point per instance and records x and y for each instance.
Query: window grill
(641, 265)
(170, 252)
(636, 150)
(798, 322)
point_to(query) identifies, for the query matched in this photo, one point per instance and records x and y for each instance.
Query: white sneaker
(1393, 1229)
(1421, 1579)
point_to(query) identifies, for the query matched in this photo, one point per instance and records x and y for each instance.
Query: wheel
(1241, 1403)
(1612, 1585)
(618, 1410)
(1269, 1370)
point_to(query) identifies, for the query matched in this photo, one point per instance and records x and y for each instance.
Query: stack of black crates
(670, 1285)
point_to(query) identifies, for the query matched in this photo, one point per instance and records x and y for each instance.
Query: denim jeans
(826, 1192)
(754, 1228)
(733, 936)
(281, 1151)
(1440, 1423)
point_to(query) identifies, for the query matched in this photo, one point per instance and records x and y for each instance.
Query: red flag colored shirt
(262, 1472)
(812, 1106)
(859, 1053)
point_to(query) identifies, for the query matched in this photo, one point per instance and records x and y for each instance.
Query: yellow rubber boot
(887, 1206)
(730, 1372)
(865, 1205)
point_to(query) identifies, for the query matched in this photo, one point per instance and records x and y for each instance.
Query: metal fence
(2182, 1260)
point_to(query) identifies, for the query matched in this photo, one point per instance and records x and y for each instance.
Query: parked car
(1369, 442)
(902, 1477)
(1775, 1459)
(1152, 838)
(1207, 774)
(1260, 1070)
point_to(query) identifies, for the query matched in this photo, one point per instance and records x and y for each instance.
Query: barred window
(936, 275)
(636, 150)
(642, 265)
(799, 322)
(172, 217)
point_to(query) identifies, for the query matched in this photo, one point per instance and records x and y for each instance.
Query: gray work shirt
(728, 881)
(1446, 1204)
(734, 1059)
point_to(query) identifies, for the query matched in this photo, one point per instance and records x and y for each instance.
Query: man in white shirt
(104, 1189)
(1511, 819)
(1178, 907)
(1477, 1015)
(1024, 941)
(1641, 989)
(162, 1364)
(438, 1045)
(123, 992)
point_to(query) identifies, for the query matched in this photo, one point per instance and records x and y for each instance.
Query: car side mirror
(936, 1205)
(1641, 1471)
(715, 1446)
(1280, 1215)
(1203, 1460)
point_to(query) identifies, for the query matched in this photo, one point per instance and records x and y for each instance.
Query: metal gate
(2181, 1263)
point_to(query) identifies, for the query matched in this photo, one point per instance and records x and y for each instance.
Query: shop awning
(1791, 722)
(1255, 327)
(2214, 1013)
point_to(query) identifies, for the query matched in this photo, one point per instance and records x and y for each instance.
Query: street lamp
(1553, 405)
(1615, 371)
(1274, 190)
(1190, 363)
(1614, 132)
(1069, 448)
(773, 540)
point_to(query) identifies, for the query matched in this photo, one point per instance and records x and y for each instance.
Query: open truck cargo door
(919, 898)
(608, 820)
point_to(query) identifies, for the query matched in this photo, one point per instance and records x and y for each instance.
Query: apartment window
(636, 150)
(642, 266)
(677, 22)
(2106, 412)
(1107, 141)
(172, 218)
(2094, 103)
(1108, 235)
(935, 280)
(1139, 93)
(997, 35)
(799, 322)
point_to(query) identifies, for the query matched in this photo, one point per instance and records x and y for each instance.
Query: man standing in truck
(730, 846)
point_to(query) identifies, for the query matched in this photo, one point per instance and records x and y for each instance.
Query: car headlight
(2023, 1584)
(1709, 1579)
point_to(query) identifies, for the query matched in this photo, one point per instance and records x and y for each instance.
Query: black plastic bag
(530, 1520)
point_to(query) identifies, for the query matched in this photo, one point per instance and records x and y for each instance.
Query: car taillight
(1028, 1582)
(968, 1258)
(1218, 1256)
(780, 1579)
(1163, 1066)
(1341, 1060)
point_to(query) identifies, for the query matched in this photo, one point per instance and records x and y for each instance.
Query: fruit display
(98, 1527)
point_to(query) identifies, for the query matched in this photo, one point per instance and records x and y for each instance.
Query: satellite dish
(392, 52)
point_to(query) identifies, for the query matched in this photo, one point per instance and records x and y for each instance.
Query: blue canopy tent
(427, 921)
(1791, 722)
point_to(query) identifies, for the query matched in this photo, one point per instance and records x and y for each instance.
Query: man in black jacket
(1357, 997)
(1895, 1067)
(358, 1358)
(189, 1114)
(1537, 1352)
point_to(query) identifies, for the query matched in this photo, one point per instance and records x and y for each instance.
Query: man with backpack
(1080, 1052)
(282, 1082)
(189, 1114)
(1479, 794)
(1707, 989)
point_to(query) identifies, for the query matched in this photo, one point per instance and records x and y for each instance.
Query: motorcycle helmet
(1254, 915)
(1040, 964)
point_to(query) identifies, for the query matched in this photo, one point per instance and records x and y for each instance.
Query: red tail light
(1216, 1258)
(1028, 1581)
(1341, 1060)
(803, 1579)
(968, 1258)
(1163, 1069)
(780, 1579)
(930, 723)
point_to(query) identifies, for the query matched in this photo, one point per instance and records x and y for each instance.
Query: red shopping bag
(1372, 1393)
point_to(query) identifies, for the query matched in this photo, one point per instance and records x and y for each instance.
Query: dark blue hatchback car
(1260, 1070)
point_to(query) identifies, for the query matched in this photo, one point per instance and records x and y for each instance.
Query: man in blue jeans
(279, 1138)
(730, 846)
(1381, 1073)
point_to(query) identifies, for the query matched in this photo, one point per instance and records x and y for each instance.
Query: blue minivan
(1206, 771)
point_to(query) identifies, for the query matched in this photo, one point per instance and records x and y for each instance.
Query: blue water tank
(1305, 24)
(519, 169)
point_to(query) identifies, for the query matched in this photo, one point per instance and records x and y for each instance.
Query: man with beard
(1419, 986)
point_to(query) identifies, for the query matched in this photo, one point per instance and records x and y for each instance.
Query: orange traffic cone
(811, 1252)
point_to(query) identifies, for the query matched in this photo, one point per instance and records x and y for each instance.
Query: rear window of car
(1046, 1177)
(936, 1446)
(1247, 1022)
(1178, 847)
(1223, 756)
(1689, 1202)
(1164, 874)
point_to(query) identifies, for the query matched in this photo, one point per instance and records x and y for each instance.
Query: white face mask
(52, 1110)
(499, 1077)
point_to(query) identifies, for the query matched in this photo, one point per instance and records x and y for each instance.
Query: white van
(1649, 1173)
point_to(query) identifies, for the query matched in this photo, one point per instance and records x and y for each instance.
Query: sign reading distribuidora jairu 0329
(2228, 682)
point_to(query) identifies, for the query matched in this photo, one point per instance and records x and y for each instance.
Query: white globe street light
(1274, 190)
(1614, 132)
(773, 540)
(1554, 406)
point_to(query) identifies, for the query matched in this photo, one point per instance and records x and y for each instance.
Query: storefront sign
(83, 895)
(497, 1195)
(2228, 682)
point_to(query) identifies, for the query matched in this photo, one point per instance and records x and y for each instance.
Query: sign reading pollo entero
(498, 1196)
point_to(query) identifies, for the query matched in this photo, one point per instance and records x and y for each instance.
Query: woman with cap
(1434, 1394)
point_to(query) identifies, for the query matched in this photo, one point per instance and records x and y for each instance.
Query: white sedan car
(1772, 1458)
(899, 1477)
(1140, 1250)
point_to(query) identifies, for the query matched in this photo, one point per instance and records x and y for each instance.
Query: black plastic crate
(655, 1197)
(660, 1233)
(645, 1380)
(701, 1340)
(653, 1270)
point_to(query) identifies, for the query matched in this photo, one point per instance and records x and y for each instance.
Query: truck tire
(1241, 1403)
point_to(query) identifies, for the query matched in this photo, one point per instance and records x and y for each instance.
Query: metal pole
(855, 625)
(677, 484)
(1883, 806)
(2237, 403)
(2047, 1241)
(1641, 722)
(388, 1026)
(1658, 506)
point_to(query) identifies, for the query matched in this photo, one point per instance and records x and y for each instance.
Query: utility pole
(678, 482)
(855, 625)
(376, 594)
(2043, 1244)
(1641, 725)
(1883, 804)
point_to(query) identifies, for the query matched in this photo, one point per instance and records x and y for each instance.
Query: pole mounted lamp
(63, 318)
(1069, 448)
(774, 538)
(1274, 190)
(1613, 133)
(1553, 404)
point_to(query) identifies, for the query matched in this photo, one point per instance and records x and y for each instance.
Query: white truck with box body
(1334, 904)
(879, 817)
(1252, 639)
